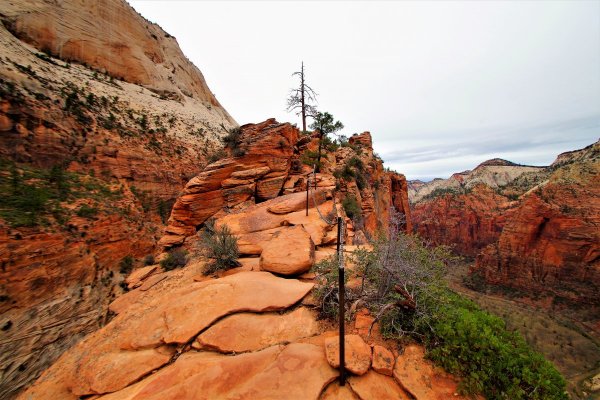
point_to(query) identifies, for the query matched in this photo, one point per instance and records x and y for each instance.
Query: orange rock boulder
(289, 252)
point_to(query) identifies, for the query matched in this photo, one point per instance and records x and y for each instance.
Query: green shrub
(311, 158)
(86, 211)
(352, 208)
(238, 152)
(492, 360)
(356, 163)
(164, 209)
(216, 156)
(403, 285)
(149, 260)
(175, 259)
(126, 265)
(220, 245)
(361, 181)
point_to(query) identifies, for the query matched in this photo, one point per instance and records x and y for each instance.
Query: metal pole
(307, 187)
(341, 298)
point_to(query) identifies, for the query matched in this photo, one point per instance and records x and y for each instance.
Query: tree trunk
(302, 98)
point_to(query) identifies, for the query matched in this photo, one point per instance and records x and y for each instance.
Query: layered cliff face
(270, 159)
(536, 231)
(102, 121)
(550, 243)
(467, 210)
(109, 36)
(493, 173)
(466, 222)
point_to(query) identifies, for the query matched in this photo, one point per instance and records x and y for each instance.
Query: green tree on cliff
(324, 124)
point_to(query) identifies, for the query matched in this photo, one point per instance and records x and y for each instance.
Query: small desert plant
(149, 260)
(86, 211)
(352, 208)
(216, 156)
(220, 245)
(174, 259)
(126, 265)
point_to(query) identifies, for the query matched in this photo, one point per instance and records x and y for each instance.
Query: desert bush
(403, 284)
(86, 211)
(491, 359)
(216, 156)
(126, 265)
(311, 158)
(220, 245)
(149, 260)
(232, 139)
(174, 259)
(327, 276)
(352, 208)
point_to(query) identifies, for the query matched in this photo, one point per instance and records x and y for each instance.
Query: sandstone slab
(131, 365)
(193, 308)
(128, 347)
(357, 354)
(421, 378)
(373, 386)
(336, 392)
(290, 252)
(250, 332)
(140, 274)
(383, 360)
(153, 280)
(297, 371)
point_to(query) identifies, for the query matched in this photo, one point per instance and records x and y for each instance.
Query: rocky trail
(250, 333)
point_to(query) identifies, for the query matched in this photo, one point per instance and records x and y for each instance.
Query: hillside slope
(550, 243)
(102, 121)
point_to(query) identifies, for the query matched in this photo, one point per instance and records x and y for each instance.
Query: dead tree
(301, 98)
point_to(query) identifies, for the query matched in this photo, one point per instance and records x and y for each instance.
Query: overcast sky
(441, 86)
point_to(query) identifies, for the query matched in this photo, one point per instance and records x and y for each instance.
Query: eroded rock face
(110, 36)
(58, 287)
(467, 222)
(143, 134)
(551, 242)
(382, 193)
(257, 175)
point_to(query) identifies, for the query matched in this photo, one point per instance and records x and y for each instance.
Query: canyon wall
(467, 210)
(551, 242)
(102, 121)
(532, 230)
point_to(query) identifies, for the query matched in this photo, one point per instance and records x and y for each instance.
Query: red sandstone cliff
(268, 164)
(92, 90)
(467, 222)
(550, 243)
(530, 228)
